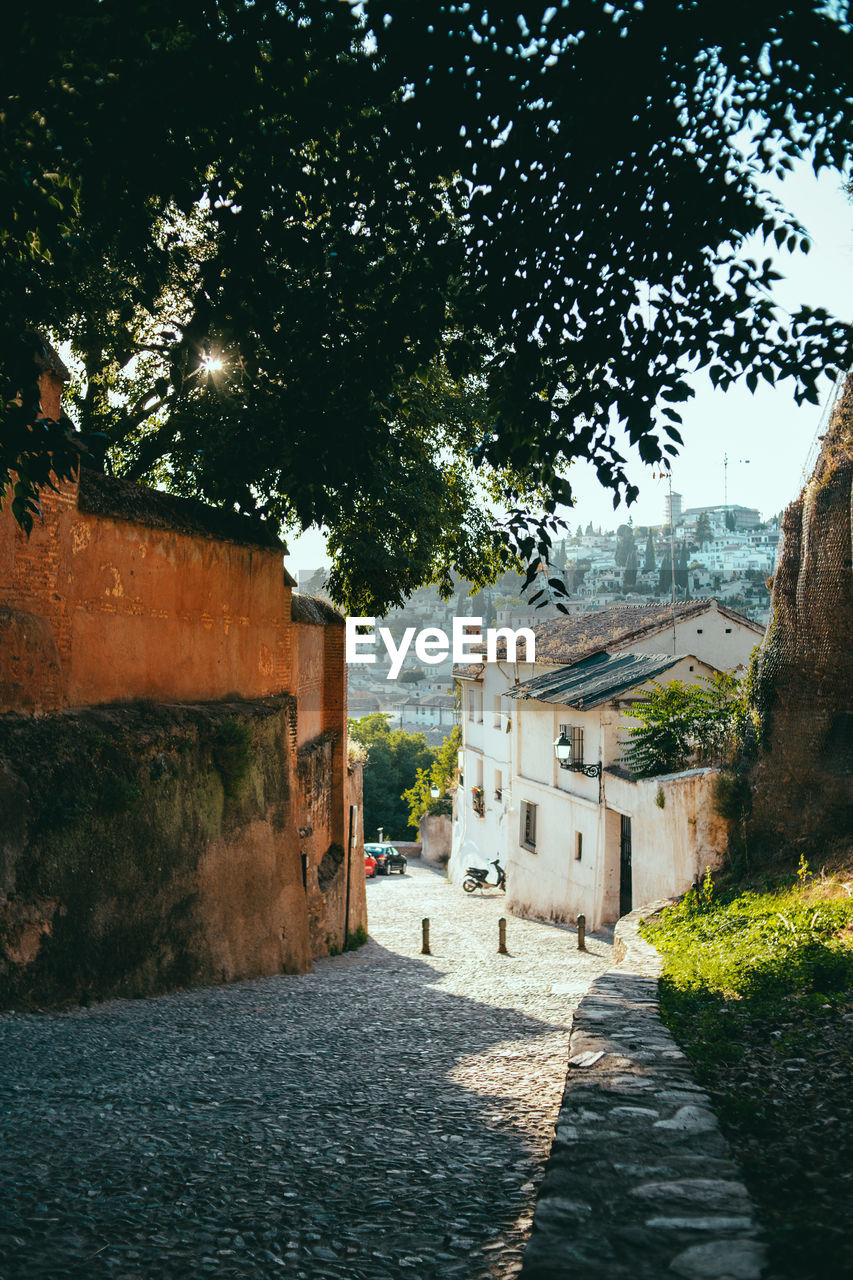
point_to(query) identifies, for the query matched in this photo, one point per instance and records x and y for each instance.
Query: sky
(769, 441)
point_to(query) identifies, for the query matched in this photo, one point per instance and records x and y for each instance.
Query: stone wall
(145, 848)
(156, 669)
(803, 783)
(640, 1182)
(148, 847)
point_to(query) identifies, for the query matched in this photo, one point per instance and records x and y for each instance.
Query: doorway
(625, 874)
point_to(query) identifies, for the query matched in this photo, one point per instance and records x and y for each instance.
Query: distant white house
(587, 838)
(432, 711)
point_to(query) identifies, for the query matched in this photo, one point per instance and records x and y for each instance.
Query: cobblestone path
(388, 1115)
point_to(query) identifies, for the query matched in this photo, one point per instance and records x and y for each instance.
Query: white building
(433, 711)
(571, 842)
(740, 517)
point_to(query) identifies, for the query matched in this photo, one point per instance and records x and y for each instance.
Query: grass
(763, 945)
(757, 989)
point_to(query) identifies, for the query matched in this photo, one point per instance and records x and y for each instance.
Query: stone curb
(640, 1182)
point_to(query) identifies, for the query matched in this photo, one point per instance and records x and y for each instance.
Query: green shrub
(686, 724)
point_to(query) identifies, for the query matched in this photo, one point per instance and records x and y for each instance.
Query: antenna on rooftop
(667, 475)
(745, 462)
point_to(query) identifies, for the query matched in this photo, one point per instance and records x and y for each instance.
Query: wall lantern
(435, 792)
(563, 752)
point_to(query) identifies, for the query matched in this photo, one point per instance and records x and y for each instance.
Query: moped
(475, 878)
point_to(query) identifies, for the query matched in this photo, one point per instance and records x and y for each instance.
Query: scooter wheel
(469, 885)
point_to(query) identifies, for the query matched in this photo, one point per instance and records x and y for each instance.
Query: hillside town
(725, 552)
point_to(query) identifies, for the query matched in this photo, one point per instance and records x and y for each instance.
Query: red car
(369, 865)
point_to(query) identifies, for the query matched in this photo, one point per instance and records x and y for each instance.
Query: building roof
(595, 679)
(120, 499)
(47, 358)
(571, 638)
(433, 700)
(314, 611)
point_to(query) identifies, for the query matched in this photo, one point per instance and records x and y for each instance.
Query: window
(496, 722)
(479, 715)
(575, 736)
(469, 698)
(728, 631)
(578, 845)
(499, 784)
(528, 826)
(698, 631)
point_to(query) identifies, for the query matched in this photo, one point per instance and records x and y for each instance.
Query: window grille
(575, 736)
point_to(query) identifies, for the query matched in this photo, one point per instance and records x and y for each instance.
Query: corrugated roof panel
(597, 679)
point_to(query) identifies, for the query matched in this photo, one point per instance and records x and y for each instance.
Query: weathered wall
(147, 847)
(355, 893)
(326, 789)
(123, 594)
(436, 833)
(803, 783)
(675, 832)
(140, 600)
(672, 844)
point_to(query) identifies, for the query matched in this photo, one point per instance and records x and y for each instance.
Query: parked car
(369, 865)
(388, 858)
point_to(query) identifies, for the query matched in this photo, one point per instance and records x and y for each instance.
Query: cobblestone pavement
(388, 1115)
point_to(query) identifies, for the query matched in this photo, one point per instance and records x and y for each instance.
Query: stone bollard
(425, 951)
(502, 951)
(581, 933)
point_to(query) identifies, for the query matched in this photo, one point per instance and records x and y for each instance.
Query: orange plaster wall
(309, 650)
(335, 718)
(141, 612)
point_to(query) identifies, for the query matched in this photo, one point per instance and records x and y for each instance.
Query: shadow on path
(293, 1126)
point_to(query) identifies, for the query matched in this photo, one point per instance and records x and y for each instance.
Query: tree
(324, 276)
(690, 80)
(629, 578)
(731, 522)
(393, 761)
(649, 563)
(703, 529)
(681, 725)
(261, 302)
(624, 543)
(440, 774)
